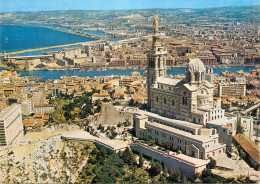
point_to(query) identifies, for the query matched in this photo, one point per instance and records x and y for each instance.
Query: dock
(51, 47)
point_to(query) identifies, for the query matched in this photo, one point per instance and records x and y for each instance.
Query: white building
(27, 107)
(11, 125)
(42, 108)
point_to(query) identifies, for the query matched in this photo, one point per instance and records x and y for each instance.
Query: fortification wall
(111, 116)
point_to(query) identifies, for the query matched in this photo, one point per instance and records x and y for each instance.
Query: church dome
(196, 65)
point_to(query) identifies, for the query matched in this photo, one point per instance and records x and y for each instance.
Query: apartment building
(11, 125)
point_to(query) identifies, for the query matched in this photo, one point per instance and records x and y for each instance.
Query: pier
(51, 47)
(76, 33)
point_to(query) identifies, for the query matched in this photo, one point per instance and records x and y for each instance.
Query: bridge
(254, 110)
(28, 57)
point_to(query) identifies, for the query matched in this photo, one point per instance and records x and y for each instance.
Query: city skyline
(149, 95)
(48, 5)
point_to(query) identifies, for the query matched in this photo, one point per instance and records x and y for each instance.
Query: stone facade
(111, 116)
(202, 143)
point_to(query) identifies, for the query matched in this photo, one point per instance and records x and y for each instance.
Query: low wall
(173, 162)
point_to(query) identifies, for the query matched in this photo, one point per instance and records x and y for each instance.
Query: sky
(47, 5)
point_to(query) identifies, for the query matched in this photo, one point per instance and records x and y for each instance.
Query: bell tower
(156, 60)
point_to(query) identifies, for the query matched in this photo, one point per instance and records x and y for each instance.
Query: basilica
(184, 113)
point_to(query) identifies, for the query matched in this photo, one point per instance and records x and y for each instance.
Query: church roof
(208, 84)
(189, 87)
(168, 81)
(194, 88)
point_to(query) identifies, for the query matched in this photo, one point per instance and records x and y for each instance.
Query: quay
(75, 33)
(51, 47)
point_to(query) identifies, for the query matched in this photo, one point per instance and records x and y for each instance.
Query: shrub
(212, 163)
(156, 168)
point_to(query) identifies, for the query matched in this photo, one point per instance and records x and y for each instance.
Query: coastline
(47, 27)
(226, 66)
(51, 47)
(56, 74)
(97, 39)
(76, 33)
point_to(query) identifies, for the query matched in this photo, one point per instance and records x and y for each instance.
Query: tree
(131, 103)
(105, 100)
(126, 155)
(175, 176)
(162, 179)
(92, 160)
(205, 173)
(183, 179)
(132, 161)
(101, 156)
(240, 129)
(156, 168)
(110, 171)
(141, 160)
(151, 142)
(212, 163)
(167, 145)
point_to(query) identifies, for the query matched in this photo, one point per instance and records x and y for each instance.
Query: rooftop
(201, 138)
(8, 111)
(168, 81)
(249, 146)
(170, 120)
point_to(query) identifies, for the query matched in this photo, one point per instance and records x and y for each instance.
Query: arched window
(197, 76)
(165, 100)
(157, 99)
(184, 101)
(172, 102)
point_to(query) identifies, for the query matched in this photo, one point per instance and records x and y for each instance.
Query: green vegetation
(240, 129)
(141, 160)
(80, 107)
(68, 108)
(125, 167)
(125, 124)
(156, 168)
(176, 177)
(212, 163)
(132, 103)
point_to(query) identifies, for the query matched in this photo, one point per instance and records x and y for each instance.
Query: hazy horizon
(56, 5)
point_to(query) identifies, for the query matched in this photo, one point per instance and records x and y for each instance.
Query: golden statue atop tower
(155, 23)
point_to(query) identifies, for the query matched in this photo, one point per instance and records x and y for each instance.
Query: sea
(18, 37)
(30, 36)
